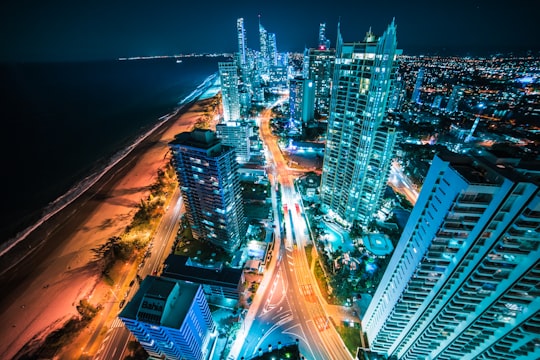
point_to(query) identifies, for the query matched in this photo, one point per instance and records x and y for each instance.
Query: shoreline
(86, 183)
(53, 266)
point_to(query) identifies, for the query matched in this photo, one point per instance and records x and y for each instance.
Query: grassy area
(321, 280)
(309, 248)
(350, 335)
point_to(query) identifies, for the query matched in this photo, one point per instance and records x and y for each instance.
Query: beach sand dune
(41, 292)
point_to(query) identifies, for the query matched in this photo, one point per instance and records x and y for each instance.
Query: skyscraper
(236, 134)
(301, 102)
(272, 50)
(208, 175)
(324, 43)
(397, 96)
(463, 280)
(242, 42)
(170, 318)
(359, 148)
(319, 66)
(455, 97)
(264, 61)
(419, 80)
(230, 98)
(268, 55)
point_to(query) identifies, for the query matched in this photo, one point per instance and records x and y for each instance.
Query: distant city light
(526, 80)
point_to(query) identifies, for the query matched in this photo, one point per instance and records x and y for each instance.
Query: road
(401, 183)
(114, 343)
(288, 304)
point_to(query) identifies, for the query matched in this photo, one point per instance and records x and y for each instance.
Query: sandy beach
(41, 292)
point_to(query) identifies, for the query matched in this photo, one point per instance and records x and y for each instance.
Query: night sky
(62, 30)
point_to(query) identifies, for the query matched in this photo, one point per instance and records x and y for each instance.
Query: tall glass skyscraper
(301, 104)
(324, 43)
(359, 148)
(208, 175)
(463, 282)
(417, 86)
(242, 41)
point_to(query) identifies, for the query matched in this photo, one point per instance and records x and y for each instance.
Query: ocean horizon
(69, 121)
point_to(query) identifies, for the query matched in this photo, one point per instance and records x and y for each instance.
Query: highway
(288, 304)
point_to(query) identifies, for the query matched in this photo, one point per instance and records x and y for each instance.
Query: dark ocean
(64, 121)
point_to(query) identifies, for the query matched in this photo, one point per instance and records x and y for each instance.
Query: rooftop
(182, 267)
(161, 301)
(198, 138)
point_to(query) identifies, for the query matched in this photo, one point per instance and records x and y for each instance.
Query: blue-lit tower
(242, 41)
(455, 97)
(324, 43)
(319, 66)
(417, 86)
(463, 280)
(359, 146)
(230, 96)
(301, 104)
(264, 61)
(170, 319)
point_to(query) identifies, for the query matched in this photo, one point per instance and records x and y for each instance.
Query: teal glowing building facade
(230, 96)
(319, 67)
(301, 104)
(359, 147)
(463, 282)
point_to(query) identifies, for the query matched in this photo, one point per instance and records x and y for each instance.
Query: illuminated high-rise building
(324, 43)
(359, 147)
(230, 97)
(264, 61)
(242, 42)
(236, 134)
(455, 97)
(272, 50)
(268, 55)
(319, 66)
(207, 172)
(417, 86)
(437, 102)
(463, 280)
(170, 318)
(278, 78)
(398, 94)
(301, 103)
(244, 63)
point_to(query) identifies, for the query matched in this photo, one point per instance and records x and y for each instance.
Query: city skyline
(66, 31)
(418, 232)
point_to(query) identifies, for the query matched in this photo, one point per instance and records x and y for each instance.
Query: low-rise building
(222, 285)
